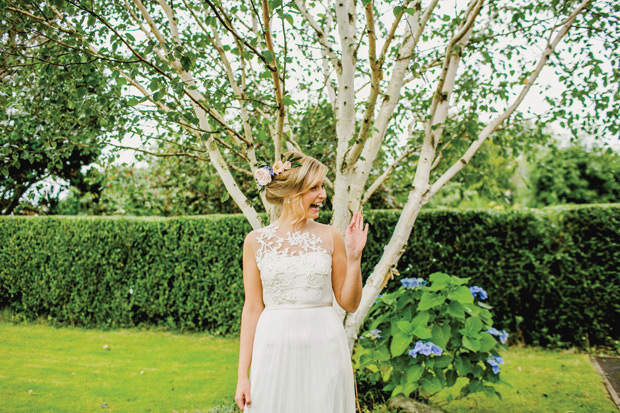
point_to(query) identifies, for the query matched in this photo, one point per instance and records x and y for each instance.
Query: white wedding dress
(300, 357)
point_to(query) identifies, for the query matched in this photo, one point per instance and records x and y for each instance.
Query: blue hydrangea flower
(478, 291)
(503, 335)
(426, 348)
(413, 282)
(375, 333)
(494, 362)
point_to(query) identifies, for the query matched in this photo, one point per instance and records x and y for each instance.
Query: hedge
(552, 275)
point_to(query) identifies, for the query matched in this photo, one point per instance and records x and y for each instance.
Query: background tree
(575, 175)
(165, 186)
(54, 107)
(443, 78)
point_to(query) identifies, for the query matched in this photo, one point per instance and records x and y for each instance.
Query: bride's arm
(252, 308)
(346, 265)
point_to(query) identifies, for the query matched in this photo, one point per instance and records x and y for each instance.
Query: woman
(292, 269)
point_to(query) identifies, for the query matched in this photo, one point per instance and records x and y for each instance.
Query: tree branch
(387, 173)
(492, 126)
(325, 46)
(276, 81)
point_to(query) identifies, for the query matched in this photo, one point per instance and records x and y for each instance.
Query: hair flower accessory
(264, 175)
(279, 167)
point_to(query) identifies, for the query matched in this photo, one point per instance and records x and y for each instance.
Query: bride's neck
(286, 221)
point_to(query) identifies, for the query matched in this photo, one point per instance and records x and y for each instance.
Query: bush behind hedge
(552, 275)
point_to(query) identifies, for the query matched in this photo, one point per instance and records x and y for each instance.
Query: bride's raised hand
(356, 235)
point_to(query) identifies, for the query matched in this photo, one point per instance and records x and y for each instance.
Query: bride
(293, 353)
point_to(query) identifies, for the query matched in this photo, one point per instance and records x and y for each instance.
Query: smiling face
(312, 199)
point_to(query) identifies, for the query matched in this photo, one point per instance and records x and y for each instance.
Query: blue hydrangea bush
(425, 335)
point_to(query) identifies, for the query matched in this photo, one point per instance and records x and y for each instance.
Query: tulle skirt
(301, 363)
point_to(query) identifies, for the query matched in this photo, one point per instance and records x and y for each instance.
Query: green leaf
(422, 332)
(186, 63)
(456, 309)
(463, 366)
(178, 89)
(473, 325)
(487, 342)
(400, 343)
(440, 279)
(443, 361)
(386, 372)
(430, 300)
(451, 377)
(472, 309)
(404, 327)
(472, 344)
(91, 20)
(431, 385)
(421, 319)
(397, 10)
(475, 386)
(399, 389)
(438, 337)
(268, 55)
(157, 96)
(288, 101)
(382, 353)
(414, 372)
(462, 295)
(410, 388)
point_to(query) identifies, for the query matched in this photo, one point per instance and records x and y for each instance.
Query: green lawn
(542, 381)
(68, 369)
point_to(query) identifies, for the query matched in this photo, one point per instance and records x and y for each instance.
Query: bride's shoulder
(327, 230)
(267, 230)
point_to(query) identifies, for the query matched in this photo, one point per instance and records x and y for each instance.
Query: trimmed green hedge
(552, 275)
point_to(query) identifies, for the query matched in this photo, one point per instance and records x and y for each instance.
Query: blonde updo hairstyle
(293, 183)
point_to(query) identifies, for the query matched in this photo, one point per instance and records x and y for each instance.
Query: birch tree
(427, 82)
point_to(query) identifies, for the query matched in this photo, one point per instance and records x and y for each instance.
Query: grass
(539, 381)
(68, 369)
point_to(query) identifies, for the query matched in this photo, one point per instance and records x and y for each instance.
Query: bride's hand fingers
(352, 221)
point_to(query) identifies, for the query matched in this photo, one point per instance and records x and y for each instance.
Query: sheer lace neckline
(289, 243)
(275, 226)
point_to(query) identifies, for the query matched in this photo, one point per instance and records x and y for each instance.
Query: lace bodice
(295, 267)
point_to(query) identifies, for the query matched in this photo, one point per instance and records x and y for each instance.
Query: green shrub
(425, 335)
(552, 274)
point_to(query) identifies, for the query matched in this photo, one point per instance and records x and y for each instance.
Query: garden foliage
(551, 275)
(425, 335)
